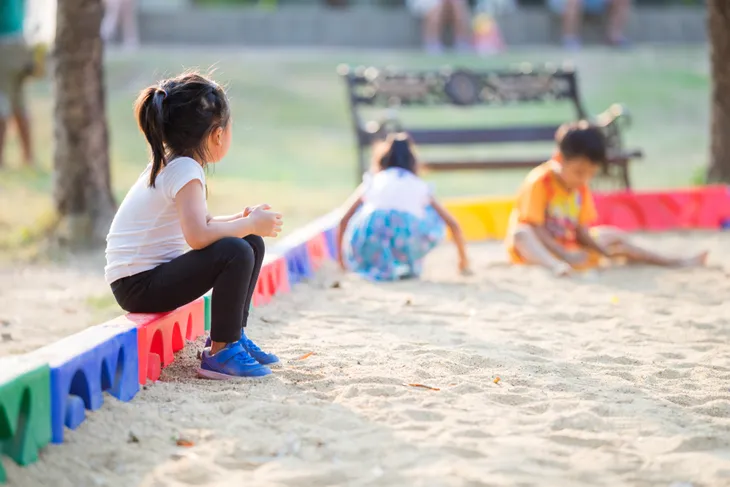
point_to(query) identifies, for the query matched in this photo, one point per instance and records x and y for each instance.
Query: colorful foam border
(50, 389)
(696, 208)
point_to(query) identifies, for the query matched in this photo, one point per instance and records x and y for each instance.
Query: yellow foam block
(481, 218)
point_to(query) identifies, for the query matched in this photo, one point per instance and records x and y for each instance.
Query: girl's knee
(235, 247)
(257, 243)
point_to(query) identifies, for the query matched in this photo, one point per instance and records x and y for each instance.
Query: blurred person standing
(121, 13)
(572, 13)
(16, 66)
(434, 14)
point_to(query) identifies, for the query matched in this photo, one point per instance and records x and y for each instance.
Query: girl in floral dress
(393, 220)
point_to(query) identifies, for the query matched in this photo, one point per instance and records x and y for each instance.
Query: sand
(621, 378)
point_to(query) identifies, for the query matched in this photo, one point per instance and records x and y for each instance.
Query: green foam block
(25, 410)
(207, 312)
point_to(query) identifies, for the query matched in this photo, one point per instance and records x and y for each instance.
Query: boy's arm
(453, 225)
(550, 243)
(586, 240)
(352, 204)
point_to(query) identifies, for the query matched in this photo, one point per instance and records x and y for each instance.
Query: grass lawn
(293, 143)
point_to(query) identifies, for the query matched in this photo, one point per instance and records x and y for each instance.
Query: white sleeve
(180, 172)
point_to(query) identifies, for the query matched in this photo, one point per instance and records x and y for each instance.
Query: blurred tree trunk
(719, 28)
(82, 184)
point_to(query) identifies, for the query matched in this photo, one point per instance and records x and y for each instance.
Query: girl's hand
(464, 268)
(247, 211)
(265, 223)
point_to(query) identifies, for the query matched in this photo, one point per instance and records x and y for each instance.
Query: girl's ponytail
(400, 154)
(150, 114)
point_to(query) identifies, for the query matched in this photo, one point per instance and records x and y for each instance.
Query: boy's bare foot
(699, 260)
(561, 269)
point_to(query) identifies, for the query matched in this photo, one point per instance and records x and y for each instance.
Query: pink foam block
(273, 280)
(318, 251)
(160, 335)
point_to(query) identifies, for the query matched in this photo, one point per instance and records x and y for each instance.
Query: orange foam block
(273, 280)
(160, 335)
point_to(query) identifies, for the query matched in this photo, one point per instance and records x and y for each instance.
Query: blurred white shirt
(396, 189)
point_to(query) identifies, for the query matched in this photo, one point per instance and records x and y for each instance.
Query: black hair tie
(159, 97)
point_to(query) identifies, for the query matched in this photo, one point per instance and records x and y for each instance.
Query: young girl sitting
(187, 123)
(393, 220)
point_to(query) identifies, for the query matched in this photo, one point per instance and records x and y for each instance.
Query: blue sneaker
(232, 362)
(259, 355)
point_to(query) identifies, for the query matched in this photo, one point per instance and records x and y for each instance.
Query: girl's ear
(215, 139)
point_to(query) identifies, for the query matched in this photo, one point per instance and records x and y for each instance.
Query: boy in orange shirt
(549, 225)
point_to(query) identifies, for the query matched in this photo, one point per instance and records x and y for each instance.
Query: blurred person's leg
(22, 121)
(112, 9)
(15, 68)
(4, 109)
(432, 14)
(3, 131)
(572, 21)
(130, 31)
(460, 22)
(571, 13)
(617, 20)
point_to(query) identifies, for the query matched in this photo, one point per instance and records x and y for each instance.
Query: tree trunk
(82, 186)
(719, 27)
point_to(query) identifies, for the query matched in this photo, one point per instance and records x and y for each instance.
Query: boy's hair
(395, 151)
(581, 139)
(177, 115)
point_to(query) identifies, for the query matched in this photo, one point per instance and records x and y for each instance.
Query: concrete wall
(365, 27)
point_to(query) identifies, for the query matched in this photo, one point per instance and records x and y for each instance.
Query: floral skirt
(385, 245)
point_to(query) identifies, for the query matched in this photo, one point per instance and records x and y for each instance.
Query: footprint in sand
(670, 374)
(607, 359)
(471, 433)
(715, 409)
(425, 416)
(580, 442)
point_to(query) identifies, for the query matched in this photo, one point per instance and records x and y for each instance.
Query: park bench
(394, 91)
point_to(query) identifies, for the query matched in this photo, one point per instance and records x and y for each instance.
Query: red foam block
(273, 280)
(318, 251)
(160, 335)
(697, 208)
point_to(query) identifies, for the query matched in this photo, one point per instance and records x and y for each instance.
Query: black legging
(230, 266)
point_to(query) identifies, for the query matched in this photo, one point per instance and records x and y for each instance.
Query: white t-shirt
(146, 230)
(396, 189)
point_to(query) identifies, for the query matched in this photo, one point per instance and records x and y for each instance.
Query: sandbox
(503, 378)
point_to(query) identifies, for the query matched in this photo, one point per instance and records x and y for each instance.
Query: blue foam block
(331, 238)
(298, 264)
(83, 366)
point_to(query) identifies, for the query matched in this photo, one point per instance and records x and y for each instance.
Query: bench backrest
(372, 87)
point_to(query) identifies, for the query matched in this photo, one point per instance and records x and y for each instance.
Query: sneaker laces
(236, 353)
(251, 345)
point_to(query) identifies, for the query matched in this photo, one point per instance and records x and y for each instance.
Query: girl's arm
(229, 218)
(352, 204)
(455, 232)
(225, 218)
(199, 232)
